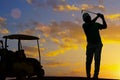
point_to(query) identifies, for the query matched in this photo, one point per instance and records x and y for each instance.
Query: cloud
(66, 35)
(111, 38)
(29, 1)
(42, 40)
(56, 64)
(36, 3)
(63, 5)
(4, 31)
(54, 3)
(2, 21)
(66, 68)
(55, 40)
(101, 7)
(73, 29)
(63, 28)
(69, 46)
(43, 28)
(27, 31)
(34, 28)
(85, 6)
(63, 33)
(66, 8)
(113, 17)
(75, 71)
(32, 51)
(45, 3)
(70, 36)
(54, 53)
(92, 7)
(63, 47)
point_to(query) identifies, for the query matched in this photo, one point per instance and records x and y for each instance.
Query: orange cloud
(69, 44)
(107, 37)
(55, 53)
(32, 51)
(85, 6)
(2, 21)
(76, 71)
(46, 3)
(42, 40)
(62, 5)
(42, 49)
(55, 40)
(66, 8)
(27, 31)
(63, 33)
(63, 47)
(2, 25)
(113, 17)
(92, 7)
(56, 64)
(66, 35)
(4, 31)
(43, 28)
(37, 29)
(101, 7)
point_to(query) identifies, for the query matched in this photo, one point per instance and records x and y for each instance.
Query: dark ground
(69, 78)
(66, 78)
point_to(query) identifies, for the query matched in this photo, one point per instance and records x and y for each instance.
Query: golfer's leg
(97, 61)
(89, 57)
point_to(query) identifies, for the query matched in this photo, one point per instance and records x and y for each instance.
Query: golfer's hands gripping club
(100, 15)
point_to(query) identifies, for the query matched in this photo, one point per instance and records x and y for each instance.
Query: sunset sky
(58, 23)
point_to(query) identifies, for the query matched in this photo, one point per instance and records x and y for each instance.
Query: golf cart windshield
(20, 37)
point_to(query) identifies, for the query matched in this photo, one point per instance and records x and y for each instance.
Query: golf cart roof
(21, 37)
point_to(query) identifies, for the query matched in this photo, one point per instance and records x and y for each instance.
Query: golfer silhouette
(94, 44)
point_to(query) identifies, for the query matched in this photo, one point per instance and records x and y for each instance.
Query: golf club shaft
(89, 11)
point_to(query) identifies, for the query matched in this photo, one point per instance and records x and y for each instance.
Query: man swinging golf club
(94, 43)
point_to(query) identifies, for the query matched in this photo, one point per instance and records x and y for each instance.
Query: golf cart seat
(20, 54)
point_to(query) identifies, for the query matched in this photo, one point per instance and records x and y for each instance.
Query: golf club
(88, 12)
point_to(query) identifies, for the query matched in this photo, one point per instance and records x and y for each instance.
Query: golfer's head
(86, 17)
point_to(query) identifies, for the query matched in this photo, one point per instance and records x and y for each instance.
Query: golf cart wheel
(2, 77)
(21, 76)
(41, 73)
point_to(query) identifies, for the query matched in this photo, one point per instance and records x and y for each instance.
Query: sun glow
(113, 69)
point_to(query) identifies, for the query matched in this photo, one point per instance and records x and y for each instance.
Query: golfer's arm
(104, 23)
(95, 19)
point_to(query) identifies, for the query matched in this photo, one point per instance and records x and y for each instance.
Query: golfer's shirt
(92, 32)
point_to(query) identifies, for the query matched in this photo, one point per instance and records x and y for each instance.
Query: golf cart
(16, 63)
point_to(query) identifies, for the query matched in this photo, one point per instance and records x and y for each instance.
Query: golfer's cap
(85, 15)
